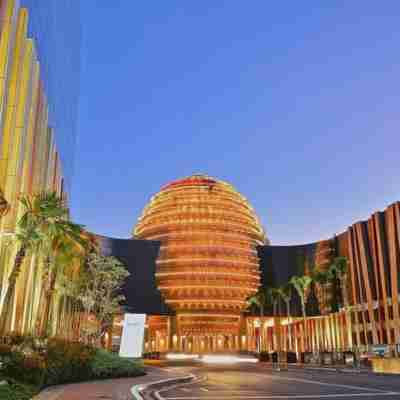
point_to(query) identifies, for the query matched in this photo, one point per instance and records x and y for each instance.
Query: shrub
(29, 369)
(5, 350)
(67, 361)
(17, 391)
(16, 339)
(108, 365)
(62, 362)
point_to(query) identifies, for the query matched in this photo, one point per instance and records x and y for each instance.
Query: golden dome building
(207, 265)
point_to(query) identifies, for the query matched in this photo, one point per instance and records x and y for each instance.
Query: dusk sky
(294, 103)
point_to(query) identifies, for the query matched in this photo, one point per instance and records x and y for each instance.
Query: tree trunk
(48, 297)
(344, 291)
(343, 287)
(12, 280)
(305, 339)
(289, 325)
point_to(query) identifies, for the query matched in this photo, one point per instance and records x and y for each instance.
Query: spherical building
(208, 265)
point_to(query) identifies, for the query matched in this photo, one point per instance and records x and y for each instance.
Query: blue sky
(294, 103)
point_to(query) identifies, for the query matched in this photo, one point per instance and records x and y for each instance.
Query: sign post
(132, 336)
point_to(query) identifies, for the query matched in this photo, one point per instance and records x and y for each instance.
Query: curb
(138, 389)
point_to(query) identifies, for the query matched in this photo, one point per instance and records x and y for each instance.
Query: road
(249, 381)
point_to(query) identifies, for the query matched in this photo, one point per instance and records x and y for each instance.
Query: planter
(386, 365)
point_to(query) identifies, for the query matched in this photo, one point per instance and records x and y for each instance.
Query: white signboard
(132, 336)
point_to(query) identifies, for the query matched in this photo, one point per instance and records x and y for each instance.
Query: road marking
(329, 384)
(137, 389)
(157, 394)
(300, 396)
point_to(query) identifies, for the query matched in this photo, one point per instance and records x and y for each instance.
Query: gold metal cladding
(29, 162)
(208, 261)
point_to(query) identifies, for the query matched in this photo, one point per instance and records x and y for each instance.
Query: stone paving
(111, 389)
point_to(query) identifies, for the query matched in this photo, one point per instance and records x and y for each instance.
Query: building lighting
(208, 263)
(181, 356)
(226, 359)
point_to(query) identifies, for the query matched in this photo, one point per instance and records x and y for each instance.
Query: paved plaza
(239, 382)
(261, 382)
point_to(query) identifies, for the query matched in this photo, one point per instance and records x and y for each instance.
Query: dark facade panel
(139, 257)
(278, 264)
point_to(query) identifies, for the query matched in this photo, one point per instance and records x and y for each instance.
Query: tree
(339, 269)
(302, 284)
(100, 292)
(4, 206)
(27, 240)
(65, 245)
(322, 280)
(260, 300)
(274, 297)
(285, 292)
(44, 229)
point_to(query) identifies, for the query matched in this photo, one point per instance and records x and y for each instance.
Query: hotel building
(198, 253)
(39, 82)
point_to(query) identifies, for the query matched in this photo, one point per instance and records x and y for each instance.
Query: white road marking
(312, 396)
(157, 394)
(329, 384)
(252, 394)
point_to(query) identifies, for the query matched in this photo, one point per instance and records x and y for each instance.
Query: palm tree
(41, 229)
(274, 297)
(322, 279)
(27, 240)
(260, 300)
(4, 206)
(64, 244)
(339, 269)
(302, 284)
(285, 292)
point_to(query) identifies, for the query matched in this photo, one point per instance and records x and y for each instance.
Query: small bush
(108, 365)
(67, 362)
(5, 350)
(29, 369)
(59, 362)
(17, 391)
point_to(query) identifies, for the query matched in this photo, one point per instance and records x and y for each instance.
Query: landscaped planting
(29, 364)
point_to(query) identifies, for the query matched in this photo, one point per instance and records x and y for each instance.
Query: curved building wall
(278, 264)
(139, 258)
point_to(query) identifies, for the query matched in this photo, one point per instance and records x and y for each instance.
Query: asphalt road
(249, 381)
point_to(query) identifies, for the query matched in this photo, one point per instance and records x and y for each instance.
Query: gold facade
(29, 162)
(208, 264)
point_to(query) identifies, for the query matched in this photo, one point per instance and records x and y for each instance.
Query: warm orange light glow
(208, 264)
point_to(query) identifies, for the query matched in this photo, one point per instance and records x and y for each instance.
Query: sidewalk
(111, 389)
